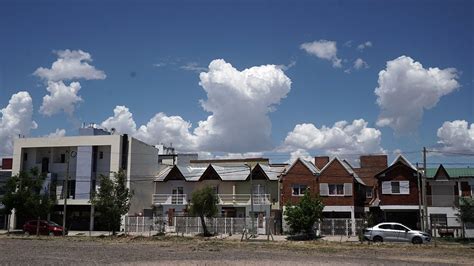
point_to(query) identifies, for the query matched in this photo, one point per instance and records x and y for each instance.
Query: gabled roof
(311, 167)
(399, 160)
(273, 172)
(402, 159)
(191, 173)
(163, 173)
(452, 172)
(232, 173)
(346, 166)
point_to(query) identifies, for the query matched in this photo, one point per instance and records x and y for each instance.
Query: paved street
(187, 251)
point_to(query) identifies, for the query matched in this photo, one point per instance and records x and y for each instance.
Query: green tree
(466, 211)
(25, 192)
(204, 204)
(112, 200)
(302, 216)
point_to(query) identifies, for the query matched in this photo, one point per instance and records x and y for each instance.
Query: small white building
(84, 158)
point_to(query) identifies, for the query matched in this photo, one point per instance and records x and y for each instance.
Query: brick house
(398, 194)
(343, 188)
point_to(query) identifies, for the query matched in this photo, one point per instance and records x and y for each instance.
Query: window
(63, 158)
(368, 192)
(399, 227)
(439, 219)
(395, 188)
(336, 189)
(178, 195)
(386, 226)
(299, 190)
(101, 155)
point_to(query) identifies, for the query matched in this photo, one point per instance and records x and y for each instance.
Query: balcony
(170, 199)
(243, 199)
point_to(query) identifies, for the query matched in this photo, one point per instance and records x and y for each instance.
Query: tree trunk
(204, 227)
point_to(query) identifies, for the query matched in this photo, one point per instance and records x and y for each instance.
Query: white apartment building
(84, 158)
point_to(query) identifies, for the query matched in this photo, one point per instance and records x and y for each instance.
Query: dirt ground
(193, 251)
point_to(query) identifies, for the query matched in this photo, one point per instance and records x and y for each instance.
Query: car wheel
(377, 239)
(417, 240)
(27, 233)
(51, 234)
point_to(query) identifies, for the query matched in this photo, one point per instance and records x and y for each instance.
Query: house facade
(343, 189)
(398, 193)
(84, 158)
(445, 188)
(232, 181)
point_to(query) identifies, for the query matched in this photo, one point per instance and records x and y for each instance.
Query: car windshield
(53, 223)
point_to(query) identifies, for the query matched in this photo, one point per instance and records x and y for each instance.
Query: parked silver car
(395, 232)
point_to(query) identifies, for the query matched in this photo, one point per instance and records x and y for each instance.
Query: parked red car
(45, 228)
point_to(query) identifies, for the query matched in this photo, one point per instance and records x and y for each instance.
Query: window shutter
(347, 189)
(405, 187)
(386, 187)
(323, 189)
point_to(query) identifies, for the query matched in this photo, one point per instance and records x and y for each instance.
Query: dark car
(45, 228)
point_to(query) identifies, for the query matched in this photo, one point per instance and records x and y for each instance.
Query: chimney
(373, 161)
(321, 161)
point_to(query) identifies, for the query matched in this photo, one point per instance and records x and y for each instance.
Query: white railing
(170, 199)
(243, 199)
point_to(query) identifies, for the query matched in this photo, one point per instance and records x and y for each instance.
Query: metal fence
(192, 225)
(339, 227)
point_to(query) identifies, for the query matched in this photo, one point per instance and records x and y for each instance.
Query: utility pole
(66, 192)
(420, 212)
(423, 189)
(65, 195)
(251, 200)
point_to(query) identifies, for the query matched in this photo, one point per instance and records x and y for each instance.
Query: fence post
(347, 227)
(225, 225)
(198, 223)
(332, 226)
(136, 224)
(186, 221)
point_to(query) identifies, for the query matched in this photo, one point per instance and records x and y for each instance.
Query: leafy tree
(466, 211)
(204, 204)
(25, 193)
(113, 199)
(302, 216)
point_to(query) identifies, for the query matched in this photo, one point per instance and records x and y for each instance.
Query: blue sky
(143, 48)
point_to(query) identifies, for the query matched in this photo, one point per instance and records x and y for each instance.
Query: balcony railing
(224, 199)
(243, 199)
(443, 200)
(170, 199)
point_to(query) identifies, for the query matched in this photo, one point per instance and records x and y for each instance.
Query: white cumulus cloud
(239, 103)
(342, 138)
(57, 134)
(122, 121)
(323, 49)
(15, 119)
(300, 153)
(70, 65)
(405, 89)
(62, 97)
(456, 136)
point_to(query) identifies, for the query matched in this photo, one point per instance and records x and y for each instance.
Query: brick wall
(321, 161)
(298, 175)
(399, 173)
(335, 173)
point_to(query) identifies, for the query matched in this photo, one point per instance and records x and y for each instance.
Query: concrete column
(353, 221)
(12, 220)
